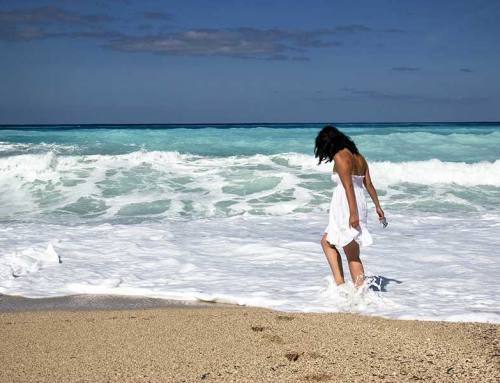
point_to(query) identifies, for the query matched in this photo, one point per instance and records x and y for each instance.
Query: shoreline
(113, 302)
(234, 343)
(96, 302)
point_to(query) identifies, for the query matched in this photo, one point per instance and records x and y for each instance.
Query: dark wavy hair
(329, 141)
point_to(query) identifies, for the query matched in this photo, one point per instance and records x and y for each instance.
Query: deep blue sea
(234, 213)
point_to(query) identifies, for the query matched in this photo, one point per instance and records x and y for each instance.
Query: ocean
(234, 214)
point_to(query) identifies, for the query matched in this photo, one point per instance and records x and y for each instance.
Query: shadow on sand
(379, 283)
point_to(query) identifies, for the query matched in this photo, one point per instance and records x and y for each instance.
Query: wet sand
(11, 303)
(188, 343)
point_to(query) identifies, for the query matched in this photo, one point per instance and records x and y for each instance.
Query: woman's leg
(355, 266)
(334, 260)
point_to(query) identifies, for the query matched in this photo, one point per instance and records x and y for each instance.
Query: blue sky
(126, 61)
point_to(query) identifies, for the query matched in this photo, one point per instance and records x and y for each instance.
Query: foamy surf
(235, 216)
(174, 185)
(28, 260)
(273, 262)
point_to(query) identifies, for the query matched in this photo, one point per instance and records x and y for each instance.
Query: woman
(347, 218)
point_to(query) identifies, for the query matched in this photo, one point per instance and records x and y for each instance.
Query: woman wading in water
(348, 214)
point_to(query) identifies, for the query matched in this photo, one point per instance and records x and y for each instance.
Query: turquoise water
(234, 213)
(130, 173)
(465, 142)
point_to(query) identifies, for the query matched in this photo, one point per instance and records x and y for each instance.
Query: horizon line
(243, 123)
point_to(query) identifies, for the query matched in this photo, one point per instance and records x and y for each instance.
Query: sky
(127, 61)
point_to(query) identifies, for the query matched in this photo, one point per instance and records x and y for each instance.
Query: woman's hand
(380, 213)
(354, 220)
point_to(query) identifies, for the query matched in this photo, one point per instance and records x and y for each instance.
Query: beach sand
(215, 343)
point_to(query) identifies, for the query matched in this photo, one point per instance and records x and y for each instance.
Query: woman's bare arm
(372, 192)
(343, 164)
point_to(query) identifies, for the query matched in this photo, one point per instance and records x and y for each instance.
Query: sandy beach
(249, 191)
(187, 343)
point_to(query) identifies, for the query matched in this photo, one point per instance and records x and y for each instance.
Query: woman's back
(359, 165)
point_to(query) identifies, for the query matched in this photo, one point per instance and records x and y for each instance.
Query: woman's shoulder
(344, 154)
(362, 158)
(360, 164)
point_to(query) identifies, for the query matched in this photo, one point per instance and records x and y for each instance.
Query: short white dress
(339, 232)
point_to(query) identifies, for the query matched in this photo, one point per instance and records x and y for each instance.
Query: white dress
(339, 232)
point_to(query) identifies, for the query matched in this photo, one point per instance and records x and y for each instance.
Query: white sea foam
(429, 172)
(49, 166)
(10, 148)
(420, 267)
(171, 184)
(245, 230)
(28, 260)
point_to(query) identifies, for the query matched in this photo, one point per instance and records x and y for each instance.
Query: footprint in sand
(293, 356)
(273, 338)
(269, 337)
(321, 377)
